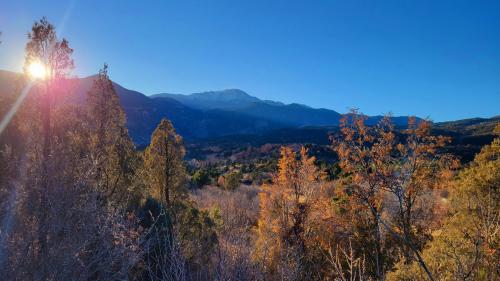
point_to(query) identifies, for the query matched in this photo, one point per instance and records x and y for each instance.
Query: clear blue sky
(437, 59)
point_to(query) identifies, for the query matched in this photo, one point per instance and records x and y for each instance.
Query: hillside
(240, 102)
(144, 113)
(472, 126)
(233, 115)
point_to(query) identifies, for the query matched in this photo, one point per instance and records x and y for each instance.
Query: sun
(37, 70)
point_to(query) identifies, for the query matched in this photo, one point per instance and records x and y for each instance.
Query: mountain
(8, 81)
(293, 115)
(471, 126)
(144, 113)
(225, 99)
(201, 115)
(239, 102)
(468, 136)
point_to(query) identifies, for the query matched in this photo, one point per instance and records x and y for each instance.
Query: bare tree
(347, 266)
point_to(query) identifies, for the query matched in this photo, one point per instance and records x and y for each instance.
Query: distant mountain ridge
(223, 99)
(229, 98)
(202, 115)
(240, 102)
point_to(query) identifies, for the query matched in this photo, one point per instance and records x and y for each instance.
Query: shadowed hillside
(227, 113)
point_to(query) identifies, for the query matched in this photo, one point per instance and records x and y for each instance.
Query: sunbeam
(12, 111)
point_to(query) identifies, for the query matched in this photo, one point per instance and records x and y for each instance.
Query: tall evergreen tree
(55, 55)
(111, 149)
(164, 166)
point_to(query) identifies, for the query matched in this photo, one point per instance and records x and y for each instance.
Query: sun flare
(37, 70)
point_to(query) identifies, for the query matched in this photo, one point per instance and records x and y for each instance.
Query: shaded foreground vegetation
(79, 202)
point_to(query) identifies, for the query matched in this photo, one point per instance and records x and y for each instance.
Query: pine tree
(111, 149)
(164, 166)
(44, 47)
(185, 229)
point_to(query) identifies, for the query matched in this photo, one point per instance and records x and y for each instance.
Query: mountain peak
(234, 91)
(227, 94)
(222, 99)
